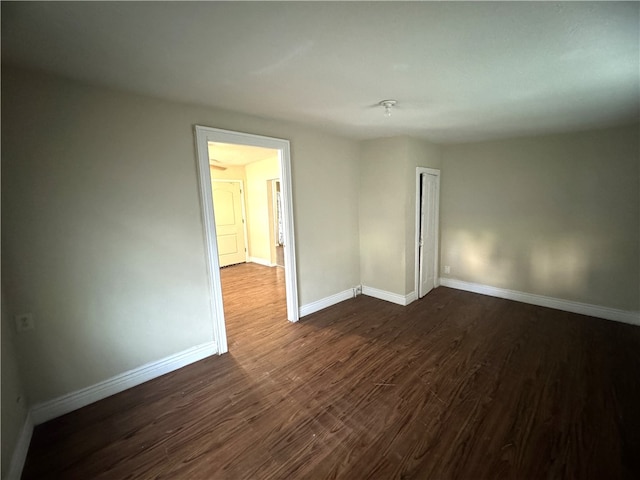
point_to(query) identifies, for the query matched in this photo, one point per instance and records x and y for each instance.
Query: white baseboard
(313, 307)
(410, 297)
(403, 300)
(45, 411)
(607, 313)
(20, 451)
(261, 261)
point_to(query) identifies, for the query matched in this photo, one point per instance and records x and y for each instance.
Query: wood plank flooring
(454, 386)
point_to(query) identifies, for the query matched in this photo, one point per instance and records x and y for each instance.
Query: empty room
(308, 240)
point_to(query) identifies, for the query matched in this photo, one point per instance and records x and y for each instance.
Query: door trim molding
(202, 136)
(419, 172)
(21, 449)
(244, 212)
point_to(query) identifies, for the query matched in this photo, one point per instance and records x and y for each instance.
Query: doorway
(427, 232)
(276, 232)
(205, 136)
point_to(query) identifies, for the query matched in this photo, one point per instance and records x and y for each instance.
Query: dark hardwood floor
(456, 385)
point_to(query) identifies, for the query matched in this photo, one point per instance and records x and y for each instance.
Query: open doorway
(245, 183)
(236, 168)
(276, 231)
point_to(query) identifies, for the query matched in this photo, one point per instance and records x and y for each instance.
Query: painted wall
(382, 220)
(258, 174)
(231, 173)
(14, 411)
(326, 214)
(387, 210)
(102, 236)
(555, 215)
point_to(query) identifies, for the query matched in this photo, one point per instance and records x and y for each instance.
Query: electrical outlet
(447, 269)
(24, 321)
(357, 291)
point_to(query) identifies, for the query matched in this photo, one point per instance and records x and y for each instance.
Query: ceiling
(238, 155)
(459, 71)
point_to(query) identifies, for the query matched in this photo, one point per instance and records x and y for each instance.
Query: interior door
(228, 212)
(428, 223)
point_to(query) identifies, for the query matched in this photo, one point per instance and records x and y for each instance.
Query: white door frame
(244, 212)
(419, 172)
(203, 136)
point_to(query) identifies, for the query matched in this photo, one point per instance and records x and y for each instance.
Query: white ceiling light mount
(388, 105)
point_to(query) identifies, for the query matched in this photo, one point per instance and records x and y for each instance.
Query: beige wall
(555, 215)
(382, 221)
(14, 411)
(387, 210)
(102, 236)
(231, 173)
(326, 215)
(258, 174)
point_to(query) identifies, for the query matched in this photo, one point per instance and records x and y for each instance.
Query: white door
(229, 217)
(428, 232)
